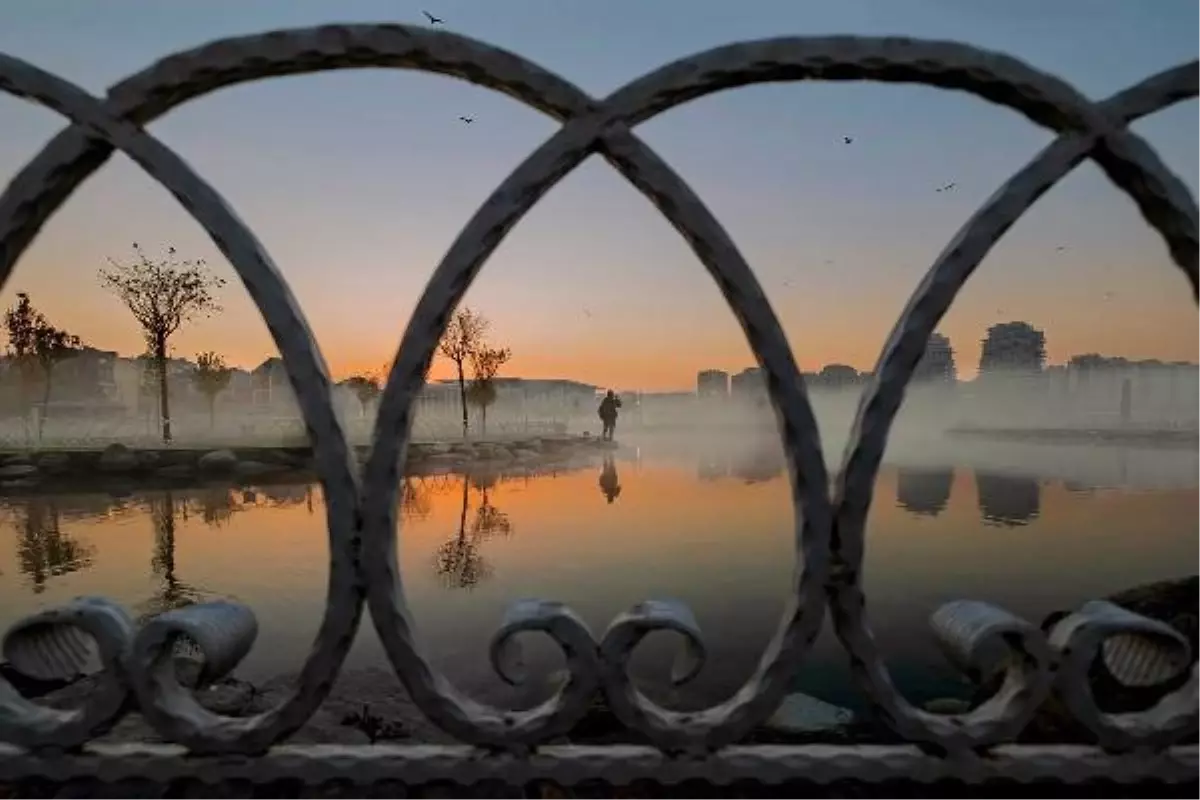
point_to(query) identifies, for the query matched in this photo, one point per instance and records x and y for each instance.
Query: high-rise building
(937, 365)
(1013, 347)
(712, 384)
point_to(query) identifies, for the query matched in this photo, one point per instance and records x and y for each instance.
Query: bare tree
(37, 347)
(486, 363)
(463, 338)
(163, 294)
(210, 376)
(365, 387)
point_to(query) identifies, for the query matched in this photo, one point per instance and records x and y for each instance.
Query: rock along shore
(65, 470)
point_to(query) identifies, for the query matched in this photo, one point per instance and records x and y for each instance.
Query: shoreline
(125, 469)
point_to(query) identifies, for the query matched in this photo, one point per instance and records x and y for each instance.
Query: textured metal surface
(829, 530)
(614, 763)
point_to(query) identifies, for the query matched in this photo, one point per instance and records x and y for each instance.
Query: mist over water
(692, 504)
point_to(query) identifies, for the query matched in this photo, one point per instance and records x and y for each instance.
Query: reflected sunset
(722, 544)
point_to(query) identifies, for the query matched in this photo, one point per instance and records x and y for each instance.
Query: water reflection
(712, 466)
(288, 494)
(610, 482)
(1008, 500)
(457, 561)
(172, 592)
(44, 551)
(724, 547)
(759, 466)
(217, 505)
(923, 492)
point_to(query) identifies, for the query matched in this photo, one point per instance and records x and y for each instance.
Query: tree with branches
(365, 387)
(210, 376)
(36, 347)
(163, 295)
(148, 389)
(486, 363)
(464, 337)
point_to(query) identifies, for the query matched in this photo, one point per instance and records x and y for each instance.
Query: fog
(1101, 428)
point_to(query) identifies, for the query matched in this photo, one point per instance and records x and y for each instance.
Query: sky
(357, 183)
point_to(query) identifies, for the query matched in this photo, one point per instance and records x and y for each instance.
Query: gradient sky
(357, 182)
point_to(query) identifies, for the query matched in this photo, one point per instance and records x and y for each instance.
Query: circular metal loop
(829, 535)
(1173, 214)
(28, 203)
(596, 129)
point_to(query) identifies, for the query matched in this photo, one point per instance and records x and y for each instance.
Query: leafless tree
(366, 389)
(163, 294)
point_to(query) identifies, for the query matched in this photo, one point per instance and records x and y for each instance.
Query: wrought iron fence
(513, 746)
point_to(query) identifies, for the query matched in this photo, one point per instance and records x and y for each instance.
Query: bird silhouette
(432, 19)
(1060, 249)
(948, 187)
(587, 313)
(847, 139)
(467, 120)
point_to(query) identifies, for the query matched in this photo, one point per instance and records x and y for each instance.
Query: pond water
(712, 529)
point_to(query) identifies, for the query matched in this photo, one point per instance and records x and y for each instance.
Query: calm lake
(1032, 528)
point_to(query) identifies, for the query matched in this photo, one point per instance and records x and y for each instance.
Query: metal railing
(512, 746)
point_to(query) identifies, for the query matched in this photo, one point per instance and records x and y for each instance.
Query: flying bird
(847, 139)
(1060, 249)
(432, 19)
(948, 187)
(467, 120)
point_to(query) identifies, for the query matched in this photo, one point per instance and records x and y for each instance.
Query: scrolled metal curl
(985, 641)
(558, 714)
(1137, 651)
(95, 636)
(223, 633)
(63, 643)
(672, 730)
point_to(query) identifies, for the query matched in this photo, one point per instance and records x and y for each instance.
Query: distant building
(835, 376)
(1012, 347)
(712, 384)
(270, 388)
(937, 365)
(749, 386)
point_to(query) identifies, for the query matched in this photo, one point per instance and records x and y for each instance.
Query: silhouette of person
(610, 484)
(608, 415)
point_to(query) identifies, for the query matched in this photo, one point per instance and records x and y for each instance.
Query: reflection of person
(608, 414)
(610, 484)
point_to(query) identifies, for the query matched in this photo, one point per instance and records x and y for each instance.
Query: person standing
(608, 415)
